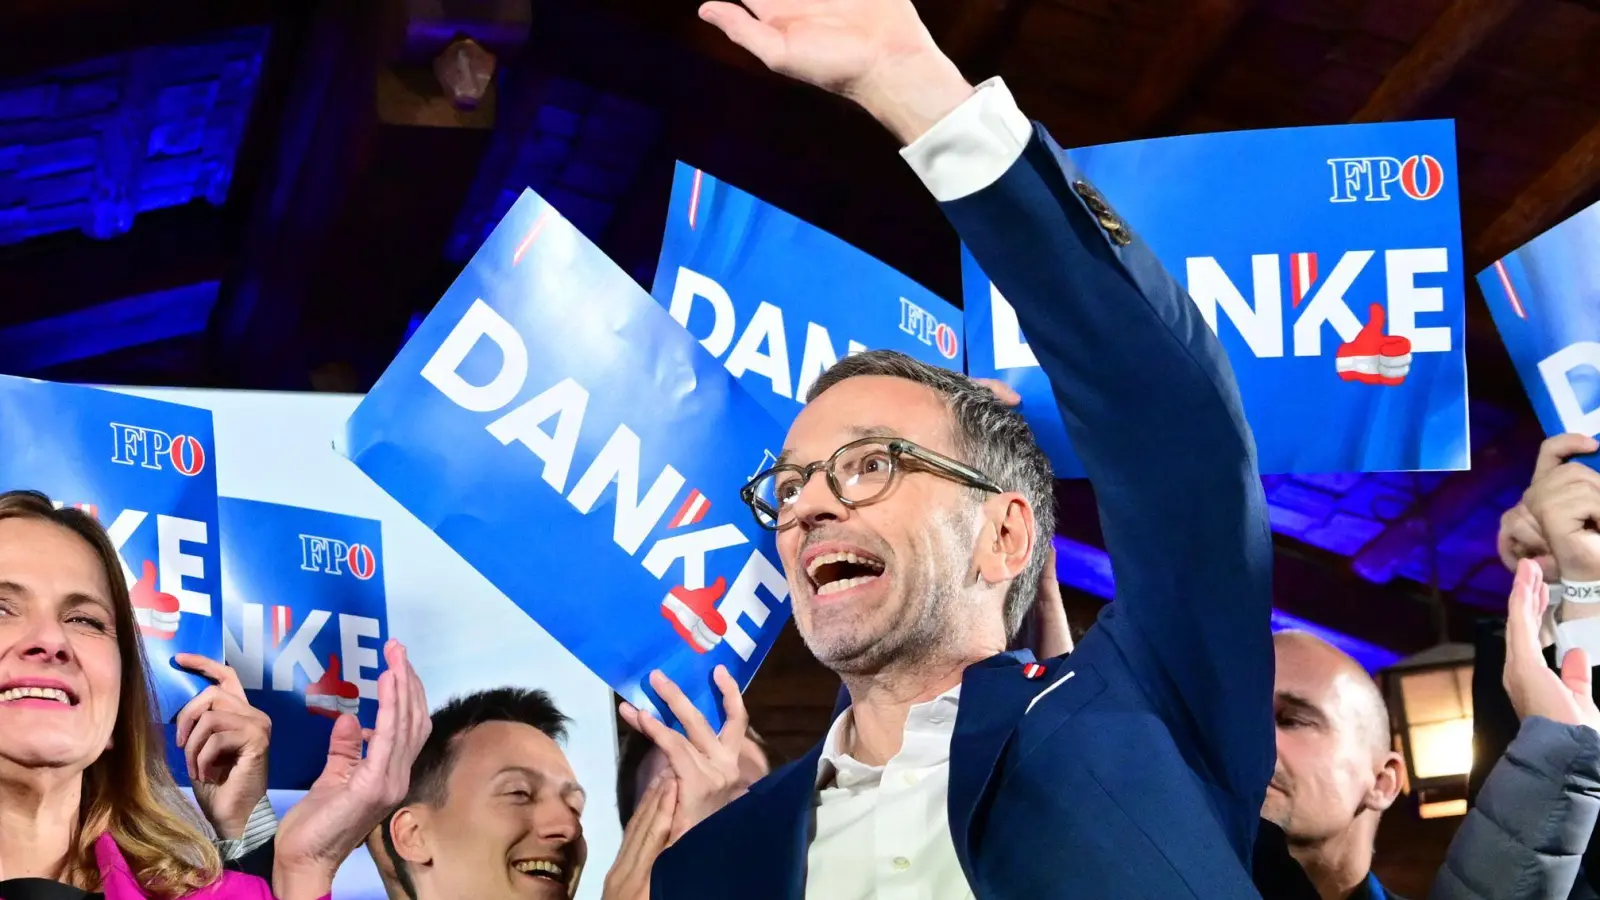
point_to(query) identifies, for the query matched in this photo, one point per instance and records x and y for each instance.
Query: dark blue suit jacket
(1141, 769)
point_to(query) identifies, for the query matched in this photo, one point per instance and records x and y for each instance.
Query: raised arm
(1152, 410)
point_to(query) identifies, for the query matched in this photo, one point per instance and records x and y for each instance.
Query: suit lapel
(786, 817)
(994, 694)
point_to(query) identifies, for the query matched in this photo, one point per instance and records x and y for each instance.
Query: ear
(1391, 779)
(409, 828)
(1005, 542)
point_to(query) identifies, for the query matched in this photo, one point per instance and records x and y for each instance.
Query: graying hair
(989, 436)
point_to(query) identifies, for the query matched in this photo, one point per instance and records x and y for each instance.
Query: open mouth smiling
(38, 692)
(840, 570)
(550, 870)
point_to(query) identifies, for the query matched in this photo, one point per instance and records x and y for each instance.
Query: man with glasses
(913, 512)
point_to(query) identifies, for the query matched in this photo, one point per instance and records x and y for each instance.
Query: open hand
(224, 741)
(647, 834)
(1533, 688)
(874, 52)
(704, 764)
(354, 793)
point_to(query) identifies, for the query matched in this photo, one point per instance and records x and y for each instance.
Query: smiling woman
(87, 806)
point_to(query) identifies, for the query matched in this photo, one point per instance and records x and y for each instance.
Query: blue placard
(146, 469)
(572, 442)
(305, 621)
(1292, 242)
(1545, 299)
(779, 300)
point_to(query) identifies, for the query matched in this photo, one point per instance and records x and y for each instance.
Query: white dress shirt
(883, 832)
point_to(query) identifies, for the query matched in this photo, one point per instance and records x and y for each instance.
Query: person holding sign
(87, 807)
(1555, 526)
(913, 510)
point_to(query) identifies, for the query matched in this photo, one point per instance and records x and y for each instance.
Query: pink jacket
(119, 883)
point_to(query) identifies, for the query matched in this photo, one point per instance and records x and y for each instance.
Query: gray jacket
(1525, 838)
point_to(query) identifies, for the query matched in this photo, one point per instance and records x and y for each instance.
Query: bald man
(1336, 771)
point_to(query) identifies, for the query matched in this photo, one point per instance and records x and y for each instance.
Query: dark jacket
(1533, 821)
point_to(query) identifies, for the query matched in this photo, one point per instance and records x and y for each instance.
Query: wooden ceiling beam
(1195, 43)
(980, 32)
(1569, 178)
(43, 34)
(1434, 58)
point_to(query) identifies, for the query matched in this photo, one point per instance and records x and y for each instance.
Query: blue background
(757, 252)
(58, 439)
(1557, 279)
(261, 560)
(581, 317)
(1236, 194)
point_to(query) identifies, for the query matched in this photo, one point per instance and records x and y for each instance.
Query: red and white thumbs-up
(156, 612)
(1374, 357)
(331, 695)
(693, 614)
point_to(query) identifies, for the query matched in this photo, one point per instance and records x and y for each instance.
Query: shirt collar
(926, 742)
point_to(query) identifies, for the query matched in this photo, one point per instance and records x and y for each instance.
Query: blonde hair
(128, 792)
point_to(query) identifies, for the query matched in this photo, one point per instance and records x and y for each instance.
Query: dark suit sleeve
(1153, 411)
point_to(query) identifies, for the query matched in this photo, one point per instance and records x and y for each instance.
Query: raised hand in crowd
(876, 53)
(647, 834)
(354, 792)
(705, 764)
(1564, 499)
(1522, 535)
(224, 741)
(1534, 689)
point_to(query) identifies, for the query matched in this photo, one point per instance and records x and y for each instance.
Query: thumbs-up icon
(331, 695)
(156, 612)
(1373, 357)
(693, 614)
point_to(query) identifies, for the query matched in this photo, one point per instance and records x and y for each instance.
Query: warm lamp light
(1430, 711)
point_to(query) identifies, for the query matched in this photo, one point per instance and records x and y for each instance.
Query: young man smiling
(494, 807)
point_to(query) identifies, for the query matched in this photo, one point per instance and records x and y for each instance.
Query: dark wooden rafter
(980, 32)
(1508, 460)
(1196, 40)
(61, 273)
(1569, 178)
(1434, 58)
(43, 34)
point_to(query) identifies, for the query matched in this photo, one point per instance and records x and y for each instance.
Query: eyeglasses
(859, 473)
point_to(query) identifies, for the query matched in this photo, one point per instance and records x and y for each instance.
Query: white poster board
(463, 635)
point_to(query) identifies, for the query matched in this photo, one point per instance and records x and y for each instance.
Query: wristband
(1580, 591)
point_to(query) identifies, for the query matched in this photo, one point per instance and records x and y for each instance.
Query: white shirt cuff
(263, 824)
(971, 147)
(1584, 633)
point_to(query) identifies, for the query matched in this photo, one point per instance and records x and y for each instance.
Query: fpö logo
(1377, 178)
(920, 324)
(705, 613)
(332, 556)
(151, 448)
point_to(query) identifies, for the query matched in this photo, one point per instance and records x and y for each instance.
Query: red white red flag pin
(1032, 671)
